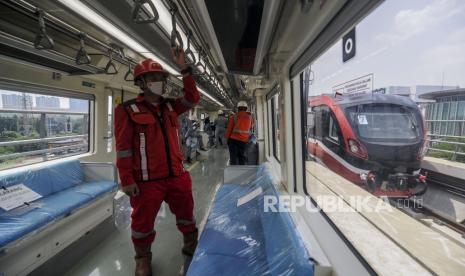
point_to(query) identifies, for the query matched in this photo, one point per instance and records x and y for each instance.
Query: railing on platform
(443, 144)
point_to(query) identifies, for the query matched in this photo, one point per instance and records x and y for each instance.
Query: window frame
(38, 89)
(272, 99)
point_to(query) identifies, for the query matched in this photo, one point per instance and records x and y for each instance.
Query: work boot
(190, 242)
(143, 261)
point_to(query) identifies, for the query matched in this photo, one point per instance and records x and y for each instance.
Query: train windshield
(385, 125)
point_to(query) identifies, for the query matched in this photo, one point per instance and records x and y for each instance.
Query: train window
(36, 128)
(311, 123)
(333, 130)
(368, 114)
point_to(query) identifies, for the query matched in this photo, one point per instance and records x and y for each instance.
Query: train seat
(63, 187)
(239, 238)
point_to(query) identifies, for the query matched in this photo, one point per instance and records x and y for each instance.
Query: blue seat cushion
(47, 180)
(37, 180)
(245, 240)
(14, 227)
(14, 224)
(64, 175)
(95, 189)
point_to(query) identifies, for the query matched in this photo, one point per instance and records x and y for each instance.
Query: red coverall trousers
(177, 192)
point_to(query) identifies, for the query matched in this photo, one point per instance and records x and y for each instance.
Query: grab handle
(176, 39)
(189, 54)
(137, 12)
(110, 69)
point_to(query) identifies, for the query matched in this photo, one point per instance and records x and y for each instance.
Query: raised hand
(179, 57)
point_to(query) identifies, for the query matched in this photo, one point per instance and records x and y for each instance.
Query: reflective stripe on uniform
(123, 153)
(185, 102)
(170, 107)
(135, 108)
(185, 221)
(241, 131)
(141, 235)
(143, 157)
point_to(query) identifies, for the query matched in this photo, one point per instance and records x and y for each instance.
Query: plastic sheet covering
(239, 238)
(63, 190)
(122, 212)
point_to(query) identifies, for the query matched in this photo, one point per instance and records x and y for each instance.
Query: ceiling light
(210, 97)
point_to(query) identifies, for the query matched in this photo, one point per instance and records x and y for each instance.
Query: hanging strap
(189, 54)
(110, 68)
(129, 74)
(201, 67)
(42, 40)
(82, 57)
(176, 40)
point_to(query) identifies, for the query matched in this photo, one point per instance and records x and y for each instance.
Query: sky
(402, 43)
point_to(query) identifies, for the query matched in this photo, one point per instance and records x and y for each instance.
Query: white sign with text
(362, 85)
(15, 196)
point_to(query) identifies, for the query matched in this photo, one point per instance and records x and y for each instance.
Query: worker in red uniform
(149, 157)
(238, 134)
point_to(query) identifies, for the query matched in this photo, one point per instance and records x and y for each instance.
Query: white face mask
(156, 87)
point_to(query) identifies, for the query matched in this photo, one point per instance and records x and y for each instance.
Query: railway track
(449, 187)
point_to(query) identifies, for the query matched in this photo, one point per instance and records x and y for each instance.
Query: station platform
(443, 166)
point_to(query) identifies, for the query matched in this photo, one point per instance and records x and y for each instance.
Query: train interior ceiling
(358, 135)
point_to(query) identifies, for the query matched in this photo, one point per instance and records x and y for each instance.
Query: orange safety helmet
(148, 66)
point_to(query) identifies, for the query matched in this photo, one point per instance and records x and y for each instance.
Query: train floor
(114, 254)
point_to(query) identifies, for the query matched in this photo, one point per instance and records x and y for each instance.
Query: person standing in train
(149, 157)
(238, 134)
(221, 123)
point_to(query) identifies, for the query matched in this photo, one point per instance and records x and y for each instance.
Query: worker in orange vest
(238, 134)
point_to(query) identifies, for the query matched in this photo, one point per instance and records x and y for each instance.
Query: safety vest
(155, 150)
(239, 126)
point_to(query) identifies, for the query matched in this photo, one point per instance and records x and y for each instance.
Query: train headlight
(353, 146)
(357, 149)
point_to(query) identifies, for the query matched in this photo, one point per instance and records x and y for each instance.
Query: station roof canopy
(443, 93)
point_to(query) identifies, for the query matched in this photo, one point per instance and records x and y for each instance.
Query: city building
(446, 116)
(78, 105)
(47, 102)
(16, 101)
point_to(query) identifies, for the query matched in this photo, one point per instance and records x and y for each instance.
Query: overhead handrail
(82, 57)
(137, 12)
(176, 40)
(129, 73)
(42, 41)
(110, 69)
(189, 54)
